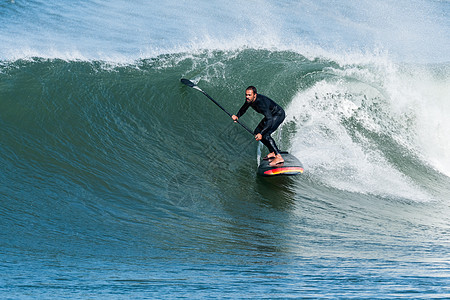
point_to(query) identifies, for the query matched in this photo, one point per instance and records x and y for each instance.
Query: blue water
(117, 181)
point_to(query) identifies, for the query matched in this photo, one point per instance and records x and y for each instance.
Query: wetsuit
(273, 116)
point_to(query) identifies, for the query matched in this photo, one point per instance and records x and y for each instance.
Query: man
(273, 116)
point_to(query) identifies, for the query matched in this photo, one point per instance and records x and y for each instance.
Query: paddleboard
(291, 166)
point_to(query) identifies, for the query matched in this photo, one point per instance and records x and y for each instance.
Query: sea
(119, 182)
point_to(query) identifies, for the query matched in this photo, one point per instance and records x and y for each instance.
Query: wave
(371, 127)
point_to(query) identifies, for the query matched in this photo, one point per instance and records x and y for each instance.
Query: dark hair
(252, 88)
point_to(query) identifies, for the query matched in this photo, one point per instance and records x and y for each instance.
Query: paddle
(193, 85)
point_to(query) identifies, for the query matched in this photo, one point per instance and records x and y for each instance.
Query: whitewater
(118, 181)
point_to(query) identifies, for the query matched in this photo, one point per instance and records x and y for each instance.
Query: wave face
(119, 181)
(122, 166)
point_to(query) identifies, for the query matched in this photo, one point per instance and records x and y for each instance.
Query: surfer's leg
(266, 143)
(270, 143)
(267, 139)
(260, 126)
(278, 159)
(277, 120)
(271, 149)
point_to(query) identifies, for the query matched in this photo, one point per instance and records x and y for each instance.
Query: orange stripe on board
(284, 170)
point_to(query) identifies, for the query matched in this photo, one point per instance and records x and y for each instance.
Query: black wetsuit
(273, 116)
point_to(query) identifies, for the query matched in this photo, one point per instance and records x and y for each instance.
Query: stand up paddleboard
(291, 166)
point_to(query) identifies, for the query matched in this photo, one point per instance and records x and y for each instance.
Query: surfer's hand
(235, 118)
(258, 137)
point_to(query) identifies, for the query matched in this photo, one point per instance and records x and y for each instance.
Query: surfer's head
(250, 94)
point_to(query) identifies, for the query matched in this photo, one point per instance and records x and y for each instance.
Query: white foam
(347, 159)
(428, 93)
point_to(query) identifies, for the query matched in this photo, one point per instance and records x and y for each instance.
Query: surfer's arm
(242, 110)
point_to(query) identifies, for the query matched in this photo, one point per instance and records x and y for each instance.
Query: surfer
(273, 116)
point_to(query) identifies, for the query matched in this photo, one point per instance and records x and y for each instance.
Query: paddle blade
(187, 82)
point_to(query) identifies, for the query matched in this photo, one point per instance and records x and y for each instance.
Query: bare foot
(270, 156)
(278, 160)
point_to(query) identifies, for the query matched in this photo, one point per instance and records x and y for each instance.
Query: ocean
(119, 182)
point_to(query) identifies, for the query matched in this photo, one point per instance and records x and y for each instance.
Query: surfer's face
(250, 96)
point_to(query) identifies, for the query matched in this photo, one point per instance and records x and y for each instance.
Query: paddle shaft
(193, 85)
